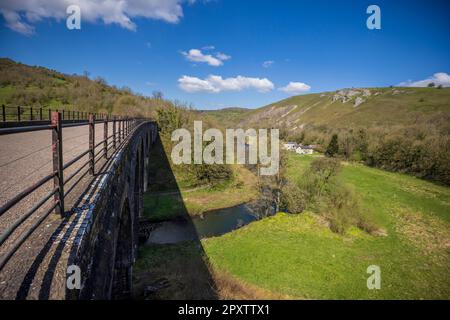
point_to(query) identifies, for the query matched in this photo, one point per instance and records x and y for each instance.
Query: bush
(321, 191)
(213, 174)
(293, 199)
(344, 210)
(169, 118)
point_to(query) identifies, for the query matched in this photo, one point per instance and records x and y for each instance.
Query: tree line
(422, 149)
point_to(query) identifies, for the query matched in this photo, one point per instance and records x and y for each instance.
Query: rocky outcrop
(346, 95)
(358, 101)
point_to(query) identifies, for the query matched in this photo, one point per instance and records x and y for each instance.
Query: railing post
(18, 113)
(118, 130)
(114, 133)
(31, 113)
(63, 117)
(105, 137)
(91, 143)
(4, 112)
(122, 128)
(40, 114)
(50, 114)
(58, 180)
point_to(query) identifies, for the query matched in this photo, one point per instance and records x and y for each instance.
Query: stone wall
(106, 243)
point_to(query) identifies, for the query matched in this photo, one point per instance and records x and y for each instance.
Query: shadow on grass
(174, 264)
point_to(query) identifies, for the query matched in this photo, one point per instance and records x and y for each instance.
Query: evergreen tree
(333, 147)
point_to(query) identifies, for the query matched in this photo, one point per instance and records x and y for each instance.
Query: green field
(298, 256)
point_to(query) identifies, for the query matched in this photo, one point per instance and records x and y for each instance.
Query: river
(212, 223)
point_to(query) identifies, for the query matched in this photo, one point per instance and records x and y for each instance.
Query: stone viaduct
(106, 240)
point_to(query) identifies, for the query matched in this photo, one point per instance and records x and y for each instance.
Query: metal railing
(21, 114)
(62, 187)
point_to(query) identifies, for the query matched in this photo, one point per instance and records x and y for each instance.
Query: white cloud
(21, 14)
(196, 55)
(216, 84)
(268, 63)
(223, 56)
(295, 88)
(440, 78)
(208, 48)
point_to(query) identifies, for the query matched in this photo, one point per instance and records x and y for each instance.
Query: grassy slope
(5, 92)
(227, 117)
(190, 276)
(298, 256)
(389, 107)
(40, 87)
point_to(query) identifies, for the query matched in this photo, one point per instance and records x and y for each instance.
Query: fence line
(125, 127)
(22, 113)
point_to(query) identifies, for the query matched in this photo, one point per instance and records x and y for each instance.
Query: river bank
(188, 202)
(172, 263)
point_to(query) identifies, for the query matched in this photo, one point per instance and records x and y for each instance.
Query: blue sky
(324, 45)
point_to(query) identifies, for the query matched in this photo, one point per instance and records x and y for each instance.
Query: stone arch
(123, 258)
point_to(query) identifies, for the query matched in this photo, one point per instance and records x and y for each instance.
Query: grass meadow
(298, 256)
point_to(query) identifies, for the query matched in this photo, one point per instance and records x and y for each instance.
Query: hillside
(227, 117)
(356, 108)
(23, 85)
(397, 129)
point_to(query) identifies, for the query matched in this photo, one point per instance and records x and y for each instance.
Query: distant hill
(398, 129)
(227, 117)
(23, 85)
(354, 108)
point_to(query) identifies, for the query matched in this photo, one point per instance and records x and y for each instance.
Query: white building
(290, 146)
(304, 149)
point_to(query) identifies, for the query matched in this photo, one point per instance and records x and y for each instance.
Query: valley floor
(297, 256)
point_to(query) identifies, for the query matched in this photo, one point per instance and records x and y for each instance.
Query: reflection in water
(214, 223)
